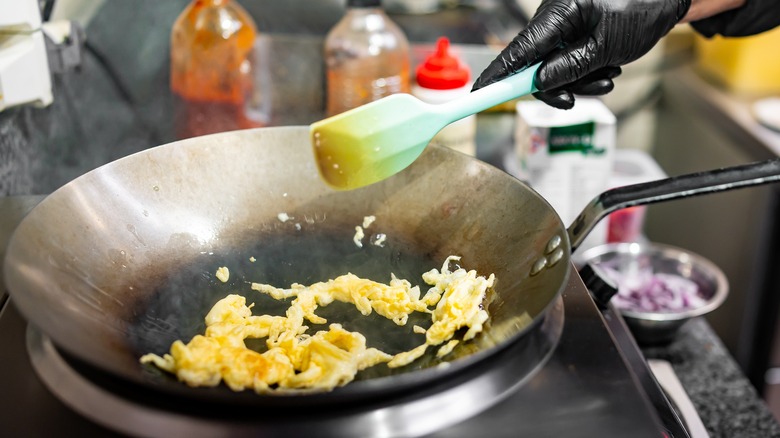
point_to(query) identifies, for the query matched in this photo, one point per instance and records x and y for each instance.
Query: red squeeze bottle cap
(442, 71)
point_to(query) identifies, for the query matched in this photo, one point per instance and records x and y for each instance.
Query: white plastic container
(24, 67)
(567, 156)
(440, 79)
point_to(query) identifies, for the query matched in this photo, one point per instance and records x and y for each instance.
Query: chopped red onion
(646, 291)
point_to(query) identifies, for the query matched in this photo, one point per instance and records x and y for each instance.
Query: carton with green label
(566, 155)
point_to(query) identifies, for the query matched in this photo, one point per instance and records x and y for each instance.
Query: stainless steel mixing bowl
(661, 327)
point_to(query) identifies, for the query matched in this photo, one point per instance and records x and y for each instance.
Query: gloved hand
(583, 43)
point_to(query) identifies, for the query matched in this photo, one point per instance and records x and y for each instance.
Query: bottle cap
(442, 70)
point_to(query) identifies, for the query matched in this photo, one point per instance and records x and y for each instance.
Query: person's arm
(701, 9)
(583, 43)
(748, 17)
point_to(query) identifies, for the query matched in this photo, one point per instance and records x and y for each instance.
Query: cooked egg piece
(323, 361)
(395, 301)
(447, 348)
(407, 357)
(332, 358)
(458, 296)
(223, 274)
(368, 220)
(359, 235)
(379, 240)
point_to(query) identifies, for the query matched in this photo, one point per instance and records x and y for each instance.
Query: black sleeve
(754, 17)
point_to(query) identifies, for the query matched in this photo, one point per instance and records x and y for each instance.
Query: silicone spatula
(375, 141)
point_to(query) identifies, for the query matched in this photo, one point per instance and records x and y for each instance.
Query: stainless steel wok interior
(121, 261)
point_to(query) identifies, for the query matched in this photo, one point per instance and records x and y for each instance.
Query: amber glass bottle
(212, 68)
(366, 57)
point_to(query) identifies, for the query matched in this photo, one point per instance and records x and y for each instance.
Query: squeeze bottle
(212, 68)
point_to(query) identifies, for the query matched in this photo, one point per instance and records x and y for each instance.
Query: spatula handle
(519, 84)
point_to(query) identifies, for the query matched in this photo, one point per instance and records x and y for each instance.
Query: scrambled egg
(359, 235)
(295, 359)
(380, 239)
(368, 220)
(458, 296)
(360, 232)
(223, 274)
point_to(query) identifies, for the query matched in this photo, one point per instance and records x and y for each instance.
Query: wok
(121, 261)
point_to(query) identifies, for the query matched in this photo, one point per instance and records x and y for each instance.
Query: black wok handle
(684, 186)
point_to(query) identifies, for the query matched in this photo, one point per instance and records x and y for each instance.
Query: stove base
(431, 410)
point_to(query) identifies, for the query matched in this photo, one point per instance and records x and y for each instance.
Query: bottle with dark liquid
(366, 57)
(212, 68)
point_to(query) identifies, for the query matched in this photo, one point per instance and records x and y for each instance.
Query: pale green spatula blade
(377, 140)
(374, 141)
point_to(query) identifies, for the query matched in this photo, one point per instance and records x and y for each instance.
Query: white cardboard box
(567, 155)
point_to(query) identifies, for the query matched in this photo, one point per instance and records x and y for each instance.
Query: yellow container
(749, 65)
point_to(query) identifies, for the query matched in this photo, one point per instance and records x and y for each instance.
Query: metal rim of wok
(82, 264)
(87, 264)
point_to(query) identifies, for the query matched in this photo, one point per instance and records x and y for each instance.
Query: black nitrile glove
(583, 43)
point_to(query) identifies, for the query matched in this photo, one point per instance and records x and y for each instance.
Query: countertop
(726, 402)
